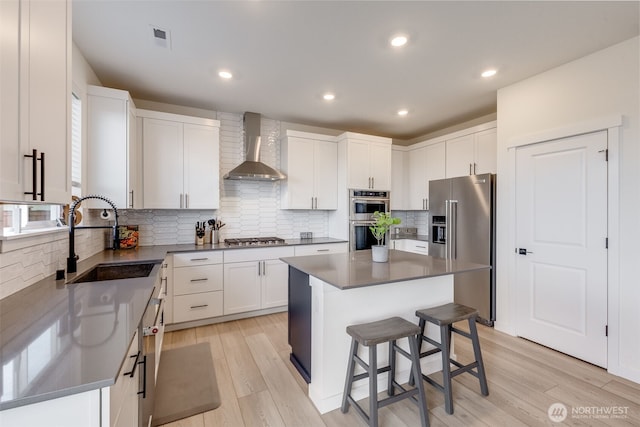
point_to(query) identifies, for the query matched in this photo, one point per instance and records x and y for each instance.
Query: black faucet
(72, 260)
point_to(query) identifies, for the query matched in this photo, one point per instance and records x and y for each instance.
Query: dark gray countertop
(57, 339)
(355, 269)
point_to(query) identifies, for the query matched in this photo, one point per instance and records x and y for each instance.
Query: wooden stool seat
(444, 317)
(370, 335)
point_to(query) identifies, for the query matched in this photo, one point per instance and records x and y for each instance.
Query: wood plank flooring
(260, 387)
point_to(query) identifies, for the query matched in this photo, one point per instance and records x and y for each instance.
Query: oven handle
(370, 199)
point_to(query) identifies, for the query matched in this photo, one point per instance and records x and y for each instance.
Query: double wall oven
(362, 205)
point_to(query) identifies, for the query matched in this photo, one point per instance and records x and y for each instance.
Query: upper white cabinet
(399, 178)
(180, 167)
(310, 162)
(472, 154)
(113, 164)
(425, 164)
(368, 161)
(35, 77)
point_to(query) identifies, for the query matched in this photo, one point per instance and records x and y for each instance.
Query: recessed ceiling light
(225, 74)
(328, 97)
(398, 41)
(403, 112)
(489, 73)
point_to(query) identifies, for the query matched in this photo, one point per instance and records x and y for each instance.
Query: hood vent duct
(252, 169)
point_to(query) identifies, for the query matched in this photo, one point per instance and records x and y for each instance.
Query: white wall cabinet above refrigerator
(113, 162)
(399, 178)
(310, 162)
(180, 161)
(35, 76)
(425, 164)
(368, 161)
(472, 154)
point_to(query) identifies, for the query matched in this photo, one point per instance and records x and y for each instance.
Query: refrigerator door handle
(447, 227)
(453, 212)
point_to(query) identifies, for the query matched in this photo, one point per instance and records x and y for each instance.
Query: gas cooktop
(255, 241)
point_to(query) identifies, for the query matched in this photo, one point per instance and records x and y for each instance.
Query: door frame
(612, 125)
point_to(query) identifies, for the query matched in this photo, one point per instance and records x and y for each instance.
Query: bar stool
(370, 335)
(444, 317)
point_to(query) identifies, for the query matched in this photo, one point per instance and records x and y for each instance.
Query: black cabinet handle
(41, 177)
(143, 392)
(132, 372)
(34, 174)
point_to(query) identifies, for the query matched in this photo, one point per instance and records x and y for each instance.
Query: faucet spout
(72, 260)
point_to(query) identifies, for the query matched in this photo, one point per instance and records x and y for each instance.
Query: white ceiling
(285, 54)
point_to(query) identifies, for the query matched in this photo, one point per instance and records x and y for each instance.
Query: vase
(379, 253)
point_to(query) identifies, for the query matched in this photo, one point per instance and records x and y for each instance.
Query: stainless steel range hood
(252, 168)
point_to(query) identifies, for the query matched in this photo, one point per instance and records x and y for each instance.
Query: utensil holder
(199, 241)
(215, 237)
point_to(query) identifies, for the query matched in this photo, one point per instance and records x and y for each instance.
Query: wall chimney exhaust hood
(252, 169)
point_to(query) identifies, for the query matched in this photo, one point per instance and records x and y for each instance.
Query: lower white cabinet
(197, 285)
(410, 245)
(123, 395)
(255, 279)
(322, 249)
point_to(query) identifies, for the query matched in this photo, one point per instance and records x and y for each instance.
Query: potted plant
(383, 222)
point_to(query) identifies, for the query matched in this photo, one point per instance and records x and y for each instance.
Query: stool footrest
(366, 374)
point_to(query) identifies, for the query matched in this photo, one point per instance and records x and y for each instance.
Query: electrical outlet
(306, 235)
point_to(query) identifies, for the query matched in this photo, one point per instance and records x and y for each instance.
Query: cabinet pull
(199, 306)
(181, 200)
(131, 203)
(474, 168)
(204, 279)
(186, 200)
(373, 182)
(41, 177)
(199, 259)
(264, 268)
(132, 372)
(470, 169)
(427, 202)
(322, 250)
(421, 247)
(34, 174)
(143, 392)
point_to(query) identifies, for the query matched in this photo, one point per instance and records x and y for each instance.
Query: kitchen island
(329, 292)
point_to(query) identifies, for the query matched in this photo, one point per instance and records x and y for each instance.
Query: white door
(242, 290)
(561, 227)
(460, 156)
(201, 158)
(275, 283)
(162, 164)
(358, 154)
(325, 174)
(380, 166)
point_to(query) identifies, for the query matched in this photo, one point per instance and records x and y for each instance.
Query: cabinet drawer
(197, 306)
(327, 248)
(119, 391)
(197, 258)
(258, 254)
(417, 246)
(202, 278)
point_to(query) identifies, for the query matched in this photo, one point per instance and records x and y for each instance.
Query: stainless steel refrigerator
(462, 226)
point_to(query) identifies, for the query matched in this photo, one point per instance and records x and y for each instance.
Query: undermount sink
(115, 271)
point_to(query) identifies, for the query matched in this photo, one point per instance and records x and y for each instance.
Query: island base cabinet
(335, 309)
(76, 410)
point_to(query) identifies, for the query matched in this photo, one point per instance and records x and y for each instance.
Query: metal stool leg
(349, 380)
(445, 342)
(475, 340)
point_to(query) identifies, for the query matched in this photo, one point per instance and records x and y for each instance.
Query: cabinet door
(241, 287)
(418, 184)
(11, 159)
(460, 156)
(380, 166)
(300, 173)
(108, 149)
(486, 152)
(326, 175)
(399, 181)
(275, 283)
(435, 164)
(48, 98)
(162, 164)
(358, 155)
(201, 167)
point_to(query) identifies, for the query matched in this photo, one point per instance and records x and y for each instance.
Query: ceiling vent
(160, 37)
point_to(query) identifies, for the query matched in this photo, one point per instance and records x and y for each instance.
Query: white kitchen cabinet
(322, 249)
(35, 73)
(255, 279)
(310, 162)
(197, 286)
(397, 244)
(368, 161)
(180, 161)
(113, 163)
(416, 246)
(425, 164)
(399, 178)
(123, 395)
(472, 154)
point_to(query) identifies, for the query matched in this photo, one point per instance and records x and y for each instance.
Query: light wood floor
(259, 386)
